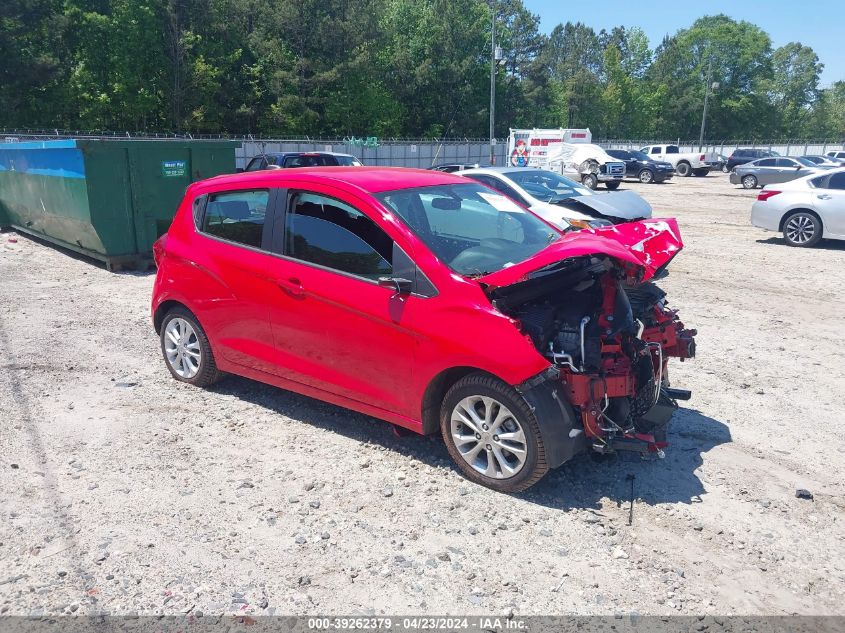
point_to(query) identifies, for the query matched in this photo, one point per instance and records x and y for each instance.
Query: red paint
(354, 343)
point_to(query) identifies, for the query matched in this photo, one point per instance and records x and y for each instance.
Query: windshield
(639, 155)
(471, 228)
(547, 185)
(804, 161)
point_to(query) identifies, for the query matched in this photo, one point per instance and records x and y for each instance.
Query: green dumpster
(108, 199)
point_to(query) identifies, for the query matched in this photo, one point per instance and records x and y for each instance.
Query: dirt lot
(123, 491)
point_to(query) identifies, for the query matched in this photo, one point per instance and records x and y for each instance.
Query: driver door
(334, 326)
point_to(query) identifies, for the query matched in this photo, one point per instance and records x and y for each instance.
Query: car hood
(627, 205)
(644, 247)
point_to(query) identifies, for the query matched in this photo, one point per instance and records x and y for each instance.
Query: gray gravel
(122, 491)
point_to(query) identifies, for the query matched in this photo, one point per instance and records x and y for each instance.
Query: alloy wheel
(800, 229)
(182, 348)
(488, 437)
(749, 182)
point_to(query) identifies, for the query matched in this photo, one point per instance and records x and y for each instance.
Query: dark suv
(284, 160)
(746, 155)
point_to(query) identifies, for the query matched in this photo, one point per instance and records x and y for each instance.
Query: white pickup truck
(687, 163)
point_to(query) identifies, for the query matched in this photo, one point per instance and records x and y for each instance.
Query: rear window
(672, 149)
(307, 160)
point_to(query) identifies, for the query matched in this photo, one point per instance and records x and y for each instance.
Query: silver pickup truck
(686, 163)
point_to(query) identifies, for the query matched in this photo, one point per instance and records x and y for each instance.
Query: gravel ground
(123, 491)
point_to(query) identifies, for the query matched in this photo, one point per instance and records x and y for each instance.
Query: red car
(429, 301)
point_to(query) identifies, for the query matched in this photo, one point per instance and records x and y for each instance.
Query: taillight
(766, 194)
(701, 158)
(158, 249)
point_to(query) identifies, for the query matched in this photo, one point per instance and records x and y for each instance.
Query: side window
(237, 216)
(197, 208)
(256, 164)
(327, 232)
(786, 162)
(655, 149)
(766, 162)
(837, 181)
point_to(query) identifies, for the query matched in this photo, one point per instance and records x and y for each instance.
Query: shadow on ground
(829, 245)
(580, 483)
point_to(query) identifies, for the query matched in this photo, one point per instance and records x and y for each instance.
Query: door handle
(292, 285)
(824, 196)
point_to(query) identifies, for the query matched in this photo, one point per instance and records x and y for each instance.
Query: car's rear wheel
(492, 434)
(725, 169)
(683, 169)
(646, 176)
(186, 350)
(749, 181)
(802, 229)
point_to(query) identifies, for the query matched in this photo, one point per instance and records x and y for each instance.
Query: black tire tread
(480, 379)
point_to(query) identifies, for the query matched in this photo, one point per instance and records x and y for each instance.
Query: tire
(186, 350)
(725, 169)
(646, 176)
(749, 181)
(590, 181)
(612, 186)
(492, 401)
(802, 228)
(684, 169)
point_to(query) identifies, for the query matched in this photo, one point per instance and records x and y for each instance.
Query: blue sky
(816, 23)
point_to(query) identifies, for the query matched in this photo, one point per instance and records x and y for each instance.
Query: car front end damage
(609, 335)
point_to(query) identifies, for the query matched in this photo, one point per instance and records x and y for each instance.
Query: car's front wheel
(186, 350)
(749, 181)
(492, 434)
(590, 181)
(646, 176)
(802, 229)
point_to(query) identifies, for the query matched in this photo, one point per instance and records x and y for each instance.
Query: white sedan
(561, 201)
(805, 209)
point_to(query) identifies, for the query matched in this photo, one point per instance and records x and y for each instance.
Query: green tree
(794, 86)
(740, 53)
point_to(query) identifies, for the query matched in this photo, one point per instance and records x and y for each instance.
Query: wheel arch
(790, 212)
(436, 391)
(163, 308)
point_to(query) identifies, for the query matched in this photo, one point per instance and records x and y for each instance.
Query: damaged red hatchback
(431, 302)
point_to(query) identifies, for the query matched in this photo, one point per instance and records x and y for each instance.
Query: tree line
(415, 68)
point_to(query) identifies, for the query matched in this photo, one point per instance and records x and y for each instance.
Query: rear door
(233, 251)
(334, 326)
(766, 170)
(829, 201)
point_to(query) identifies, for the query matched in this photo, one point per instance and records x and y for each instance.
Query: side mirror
(401, 285)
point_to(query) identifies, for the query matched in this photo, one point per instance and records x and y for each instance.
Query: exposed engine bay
(610, 336)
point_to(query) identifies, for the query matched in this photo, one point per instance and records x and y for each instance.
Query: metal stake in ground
(630, 477)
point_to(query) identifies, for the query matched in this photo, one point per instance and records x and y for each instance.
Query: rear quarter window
(237, 216)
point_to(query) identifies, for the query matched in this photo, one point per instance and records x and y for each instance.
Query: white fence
(399, 153)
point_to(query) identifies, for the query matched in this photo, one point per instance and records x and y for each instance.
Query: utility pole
(706, 96)
(492, 82)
